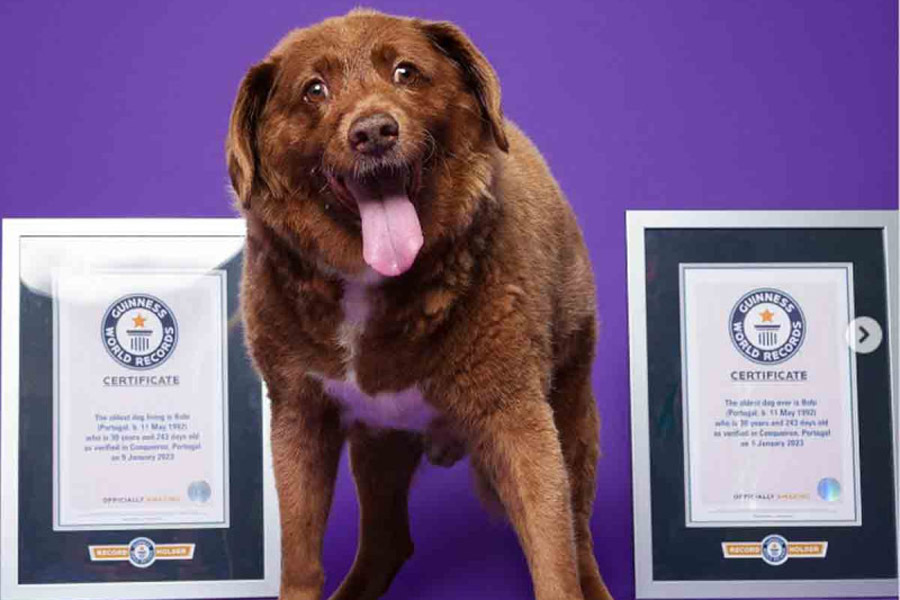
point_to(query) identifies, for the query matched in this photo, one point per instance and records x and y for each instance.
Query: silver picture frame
(16, 230)
(638, 223)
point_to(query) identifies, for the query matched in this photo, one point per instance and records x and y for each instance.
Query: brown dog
(414, 282)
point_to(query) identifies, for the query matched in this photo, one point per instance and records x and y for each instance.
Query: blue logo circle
(142, 552)
(767, 326)
(774, 550)
(139, 331)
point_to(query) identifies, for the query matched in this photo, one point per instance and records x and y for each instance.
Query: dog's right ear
(241, 146)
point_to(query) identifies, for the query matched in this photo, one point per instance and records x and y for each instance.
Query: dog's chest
(405, 409)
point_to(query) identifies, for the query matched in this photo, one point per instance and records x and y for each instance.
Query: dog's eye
(405, 73)
(315, 91)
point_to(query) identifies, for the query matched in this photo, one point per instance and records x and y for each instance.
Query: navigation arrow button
(864, 335)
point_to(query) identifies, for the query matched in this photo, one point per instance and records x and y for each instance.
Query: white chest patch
(405, 409)
(401, 410)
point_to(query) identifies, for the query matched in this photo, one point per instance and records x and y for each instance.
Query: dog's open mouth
(391, 232)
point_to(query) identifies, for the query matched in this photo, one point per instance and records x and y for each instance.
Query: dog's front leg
(306, 449)
(383, 463)
(518, 448)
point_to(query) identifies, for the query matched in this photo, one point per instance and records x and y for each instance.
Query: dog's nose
(375, 134)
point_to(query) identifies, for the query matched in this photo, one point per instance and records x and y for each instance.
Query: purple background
(120, 110)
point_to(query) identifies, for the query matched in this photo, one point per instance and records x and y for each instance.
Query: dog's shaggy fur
(473, 330)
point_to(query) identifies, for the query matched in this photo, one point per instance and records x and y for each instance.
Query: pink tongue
(392, 235)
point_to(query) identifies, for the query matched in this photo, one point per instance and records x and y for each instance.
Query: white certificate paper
(140, 416)
(769, 395)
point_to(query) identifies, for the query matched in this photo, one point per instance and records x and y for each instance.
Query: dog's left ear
(241, 146)
(477, 72)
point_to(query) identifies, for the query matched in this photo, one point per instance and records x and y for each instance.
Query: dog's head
(366, 138)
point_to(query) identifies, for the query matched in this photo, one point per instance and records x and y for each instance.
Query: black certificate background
(46, 556)
(694, 554)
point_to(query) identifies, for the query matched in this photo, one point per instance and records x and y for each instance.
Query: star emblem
(139, 320)
(767, 316)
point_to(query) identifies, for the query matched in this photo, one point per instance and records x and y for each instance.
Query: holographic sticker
(829, 489)
(199, 491)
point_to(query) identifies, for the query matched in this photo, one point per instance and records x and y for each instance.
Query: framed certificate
(762, 377)
(134, 432)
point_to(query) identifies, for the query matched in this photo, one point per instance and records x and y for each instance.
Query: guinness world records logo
(767, 326)
(142, 552)
(139, 331)
(774, 550)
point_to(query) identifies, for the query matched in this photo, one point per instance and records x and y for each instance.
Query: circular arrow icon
(864, 335)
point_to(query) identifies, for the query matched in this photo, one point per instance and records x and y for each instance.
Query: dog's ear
(241, 147)
(477, 72)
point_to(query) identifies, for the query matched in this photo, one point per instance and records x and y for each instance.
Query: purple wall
(120, 109)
